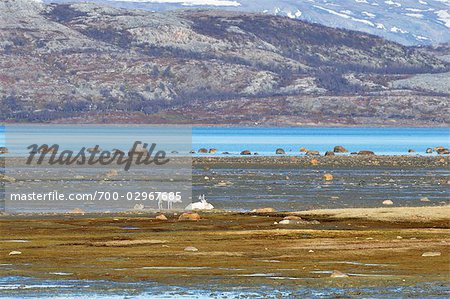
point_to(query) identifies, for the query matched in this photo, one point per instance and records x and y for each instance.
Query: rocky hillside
(410, 22)
(86, 62)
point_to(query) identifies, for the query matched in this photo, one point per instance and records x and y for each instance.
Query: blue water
(264, 141)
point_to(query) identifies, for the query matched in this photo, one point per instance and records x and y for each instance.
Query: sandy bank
(403, 214)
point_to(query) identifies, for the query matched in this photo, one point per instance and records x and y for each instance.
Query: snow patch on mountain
(444, 16)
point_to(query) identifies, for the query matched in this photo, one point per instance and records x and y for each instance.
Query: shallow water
(302, 189)
(24, 287)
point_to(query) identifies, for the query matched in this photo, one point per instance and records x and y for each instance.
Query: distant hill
(91, 63)
(410, 22)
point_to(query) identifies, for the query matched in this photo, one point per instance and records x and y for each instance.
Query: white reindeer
(200, 205)
(170, 202)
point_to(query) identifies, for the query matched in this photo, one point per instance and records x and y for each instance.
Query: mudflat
(373, 247)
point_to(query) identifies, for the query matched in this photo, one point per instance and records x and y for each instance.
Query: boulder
(212, 150)
(340, 149)
(189, 217)
(191, 152)
(338, 274)
(314, 162)
(111, 173)
(77, 211)
(366, 153)
(438, 148)
(292, 217)
(329, 153)
(3, 150)
(138, 150)
(225, 153)
(429, 150)
(388, 202)
(443, 151)
(93, 150)
(161, 217)
(312, 153)
(7, 179)
(203, 151)
(411, 150)
(303, 150)
(431, 253)
(327, 177)
(264, 210)
(191, 249)
(246, 152)
(138, 207)
(280, 151)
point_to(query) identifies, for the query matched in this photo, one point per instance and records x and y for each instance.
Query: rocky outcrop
(246, 152)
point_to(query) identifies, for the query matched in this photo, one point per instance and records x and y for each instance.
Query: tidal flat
(383, 252)
(245, 250)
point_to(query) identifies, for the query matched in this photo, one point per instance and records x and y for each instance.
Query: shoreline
(407, 215)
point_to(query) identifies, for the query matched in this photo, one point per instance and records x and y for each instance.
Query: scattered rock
(285, 222)
(340, 149)
(246, 152)
(329, 153)
(203, 151)
(292, 217)
(189, 217)
(264, 210)
(313, 153)
(212, 150)
(424, 199)
(303, 150)
(366, 153)
(429, 150)
(191, 248)
(443, 151)
(138, 207)
(93, 150)
(280, 151)
(14, 252)
(139, 149)
(161, 217)
(314, 162)
(338, 274)
(327, 177)
(388, 202)
(7, 179)
(431, 253)
(112, 173)
(77, 211)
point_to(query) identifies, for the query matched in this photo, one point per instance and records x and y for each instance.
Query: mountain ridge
(82, 61)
